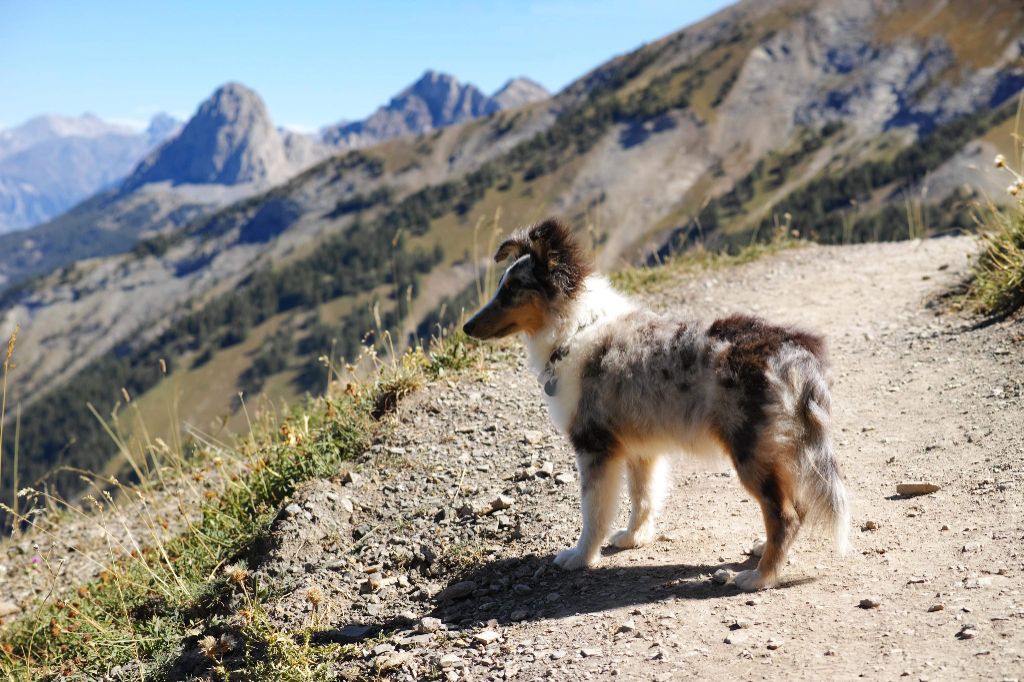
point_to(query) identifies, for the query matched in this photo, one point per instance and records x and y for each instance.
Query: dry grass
(997, 288)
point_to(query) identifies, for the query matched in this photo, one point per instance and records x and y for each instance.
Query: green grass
(698, 259)
(997, 288)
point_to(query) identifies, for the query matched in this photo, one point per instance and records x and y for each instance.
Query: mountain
(436, 100)
(837, 121)
(518, 92)
(228, 150)
(229, 141)
(49, 163)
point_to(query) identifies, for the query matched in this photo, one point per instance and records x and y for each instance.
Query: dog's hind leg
(775, 490)
(648, 484)
(600, 486)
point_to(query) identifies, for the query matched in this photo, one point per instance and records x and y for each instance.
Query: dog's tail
(822, 493)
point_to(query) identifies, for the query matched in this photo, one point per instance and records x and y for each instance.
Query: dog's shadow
(534, 588)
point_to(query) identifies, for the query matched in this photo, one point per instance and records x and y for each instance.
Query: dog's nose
(467, 328)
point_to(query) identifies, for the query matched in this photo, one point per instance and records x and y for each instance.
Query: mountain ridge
(435, 100)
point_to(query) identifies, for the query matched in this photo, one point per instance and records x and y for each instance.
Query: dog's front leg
(600, 486)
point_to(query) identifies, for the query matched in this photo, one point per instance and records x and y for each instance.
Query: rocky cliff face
(435, 101)
(229, 141)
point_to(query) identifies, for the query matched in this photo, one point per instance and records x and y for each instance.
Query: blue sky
(313, 62)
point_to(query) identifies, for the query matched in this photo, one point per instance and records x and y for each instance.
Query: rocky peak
(435, 100)
(518, 92)
(230, 140)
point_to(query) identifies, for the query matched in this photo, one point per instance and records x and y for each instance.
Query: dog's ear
(557, 252)
(515, 246)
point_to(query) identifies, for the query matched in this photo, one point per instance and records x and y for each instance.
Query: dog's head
(547, 271)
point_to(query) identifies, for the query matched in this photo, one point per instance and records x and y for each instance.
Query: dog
(629, 386)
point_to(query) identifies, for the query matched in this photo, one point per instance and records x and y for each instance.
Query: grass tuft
(997, 287)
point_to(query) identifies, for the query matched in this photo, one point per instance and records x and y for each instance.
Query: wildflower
(236, 574)
(208, 645)
(1000, 161)
(314, 596)
(1013, 189)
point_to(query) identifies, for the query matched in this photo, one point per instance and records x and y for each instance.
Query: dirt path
(917, 399)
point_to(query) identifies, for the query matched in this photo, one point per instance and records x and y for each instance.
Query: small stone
(936, 607)
(485, 637)
(736, 638)
(383, 648)
(557, 655)
(293, 510)
(546, 470)
(913, 489)
(721, 576)
(774, 644)
(413, 640)
(501, 502)
(741, 624)
(628, 626)
(976, 583)
(351, 478)
(392, 660)
(967, 632)
(519, 614)
(8, 608)
(591, 652)
(532, 437)
(459, 590)
(449, 661)
(870, 602)
(869, 525)
(429, 624)
(563, 478)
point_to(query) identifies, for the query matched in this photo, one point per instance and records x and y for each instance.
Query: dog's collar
(548, 377)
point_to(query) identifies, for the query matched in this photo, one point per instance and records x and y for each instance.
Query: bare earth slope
(917, 398)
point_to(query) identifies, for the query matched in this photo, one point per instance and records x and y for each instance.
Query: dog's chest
(560, 383)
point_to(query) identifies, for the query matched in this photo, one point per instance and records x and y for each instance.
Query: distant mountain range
(49, 163)
(436, 100)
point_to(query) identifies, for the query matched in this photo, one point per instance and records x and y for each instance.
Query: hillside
(394, 562)
(843, 121)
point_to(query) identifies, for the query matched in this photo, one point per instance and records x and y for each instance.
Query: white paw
(757, 549)
(572, 559)
(626, 539)
(752, 581)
